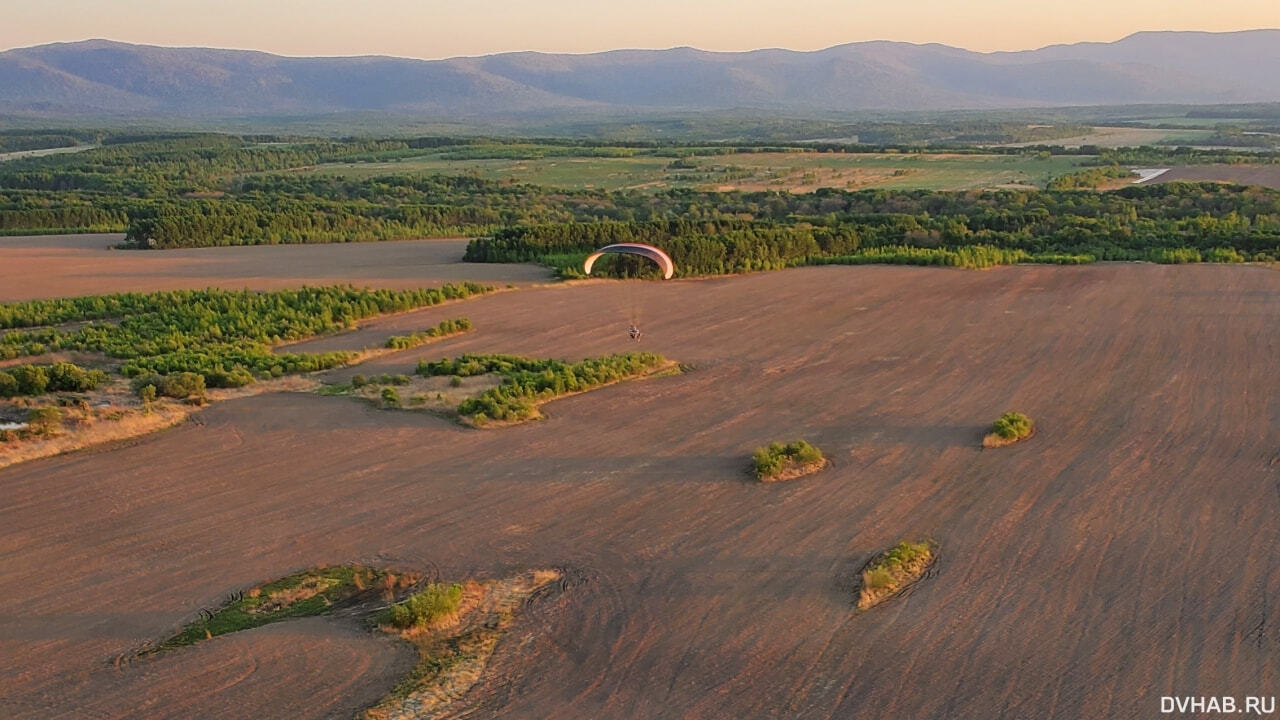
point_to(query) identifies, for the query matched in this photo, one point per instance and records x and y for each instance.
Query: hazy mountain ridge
(99, 76)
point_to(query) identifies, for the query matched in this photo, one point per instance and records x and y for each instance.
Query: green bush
(67, 377)
(44, 421)
(390, 398)
(32, 379)
(39, 379)
(433, 603)
(1223, 255)
(775, 458)
(359, 381)
(877, 578)
(1012, 426)
(182, 386)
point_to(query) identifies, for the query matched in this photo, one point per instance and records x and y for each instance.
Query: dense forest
(1177, 222)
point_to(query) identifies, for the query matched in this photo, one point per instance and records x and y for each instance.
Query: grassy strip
(454, 627)
(1091, 178)
(893, 570)
(1009, 429)
(775, 461)
(443, 330)
(310, 592)
(529, 382)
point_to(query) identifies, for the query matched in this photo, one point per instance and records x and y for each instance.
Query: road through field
(1124, 553)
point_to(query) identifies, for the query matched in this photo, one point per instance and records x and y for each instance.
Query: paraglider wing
(649, 251)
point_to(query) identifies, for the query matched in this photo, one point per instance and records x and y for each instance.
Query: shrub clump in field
(893, 570)
(444, 329)
(1009, 429)
(433, 604)
(527, 382)
(777, 461)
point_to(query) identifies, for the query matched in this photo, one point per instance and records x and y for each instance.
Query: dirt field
(40, 266)
(1266, 175)
(792, 171)
(1126, 552)
(1123, 137)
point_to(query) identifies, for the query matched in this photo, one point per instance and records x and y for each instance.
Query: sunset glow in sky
(435, 28)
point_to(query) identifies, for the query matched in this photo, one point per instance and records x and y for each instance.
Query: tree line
(1163, 222)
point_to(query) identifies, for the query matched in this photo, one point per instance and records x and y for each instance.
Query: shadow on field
(938, 437)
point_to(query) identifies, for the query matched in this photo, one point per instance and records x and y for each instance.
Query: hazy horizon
(433, 30)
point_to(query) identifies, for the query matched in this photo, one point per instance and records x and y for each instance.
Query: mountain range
(106, 77)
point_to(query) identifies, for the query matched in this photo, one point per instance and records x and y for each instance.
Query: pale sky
(438, 28)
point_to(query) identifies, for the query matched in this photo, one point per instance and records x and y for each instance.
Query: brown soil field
(1265, 175)
(1104, 136)
(40, 266)
(1127, 553)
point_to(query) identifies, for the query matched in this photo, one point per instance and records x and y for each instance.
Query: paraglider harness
(634, 332)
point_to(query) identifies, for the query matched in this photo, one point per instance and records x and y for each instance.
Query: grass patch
(435, 395)
(443, 330)
(1009, 429)
(775, 462)
(529, 382)
(310, 592)
(893, 570)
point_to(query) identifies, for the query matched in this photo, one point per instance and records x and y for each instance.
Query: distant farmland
(1265, 175)
(794, 171)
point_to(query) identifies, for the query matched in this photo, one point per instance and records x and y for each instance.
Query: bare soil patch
(70, 265)
(1264, 175)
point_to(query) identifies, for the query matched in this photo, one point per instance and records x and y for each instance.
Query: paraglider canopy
(648, 251)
